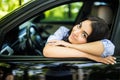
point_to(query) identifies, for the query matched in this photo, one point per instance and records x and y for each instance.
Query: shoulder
(109, 47)
(61, 31)
(63, 28)
(59, 34)
(107, 42)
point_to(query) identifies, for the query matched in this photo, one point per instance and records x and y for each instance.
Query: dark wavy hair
(100, 29)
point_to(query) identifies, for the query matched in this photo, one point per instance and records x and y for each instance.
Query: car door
(25, 63)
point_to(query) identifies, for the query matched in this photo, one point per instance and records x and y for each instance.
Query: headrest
(103, 12)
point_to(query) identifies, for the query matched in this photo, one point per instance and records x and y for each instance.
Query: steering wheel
(34, 40)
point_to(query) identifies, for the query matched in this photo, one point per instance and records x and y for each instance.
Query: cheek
(81, 40)
(77, 41)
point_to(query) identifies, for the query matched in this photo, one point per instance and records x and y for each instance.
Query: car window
(46, 24)
(63, 15)
(67, 12)
(30, 37)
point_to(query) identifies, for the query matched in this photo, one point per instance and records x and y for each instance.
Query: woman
(85, 40)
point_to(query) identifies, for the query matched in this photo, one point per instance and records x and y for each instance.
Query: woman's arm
(61, 52)
(65, 52)
(102, 48)
(97, 48)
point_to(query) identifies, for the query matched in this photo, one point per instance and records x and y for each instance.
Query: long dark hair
(100, 29)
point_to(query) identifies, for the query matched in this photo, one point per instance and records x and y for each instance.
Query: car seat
(104, 12)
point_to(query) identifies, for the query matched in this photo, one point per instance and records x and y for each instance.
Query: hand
(108, 60)
(59, 43)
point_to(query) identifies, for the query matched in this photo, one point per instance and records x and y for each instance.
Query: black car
(24, 32)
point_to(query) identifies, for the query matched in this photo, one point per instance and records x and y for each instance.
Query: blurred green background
(7, 6)
(67, 12)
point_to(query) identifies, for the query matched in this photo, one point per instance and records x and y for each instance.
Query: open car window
(30, 37)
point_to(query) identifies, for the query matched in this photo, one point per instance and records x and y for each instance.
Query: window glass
(67, 12)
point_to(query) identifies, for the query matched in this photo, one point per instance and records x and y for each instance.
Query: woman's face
(80, 32)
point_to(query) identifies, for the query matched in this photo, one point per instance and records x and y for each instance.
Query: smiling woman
(79, 34)
(82, 41)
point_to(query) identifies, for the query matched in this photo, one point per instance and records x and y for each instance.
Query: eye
(84, 35)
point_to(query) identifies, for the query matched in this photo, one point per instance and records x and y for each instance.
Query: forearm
(106, 60)
(61, 52)
(65, 52)
(94, 48)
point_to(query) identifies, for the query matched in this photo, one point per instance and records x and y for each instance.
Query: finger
(111, 60)
(106, 62)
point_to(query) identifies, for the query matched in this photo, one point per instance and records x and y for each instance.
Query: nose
(77, 32)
